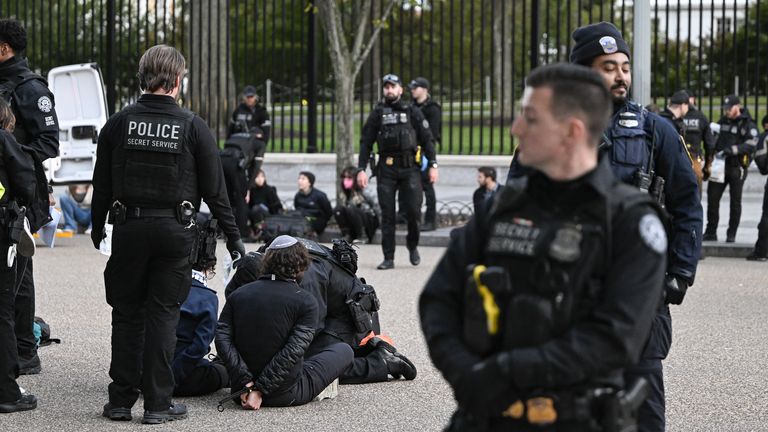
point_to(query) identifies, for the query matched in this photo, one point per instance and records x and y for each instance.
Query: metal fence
(476, 54)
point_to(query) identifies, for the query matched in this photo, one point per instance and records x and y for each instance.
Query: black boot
(25, 403)
(175, 412)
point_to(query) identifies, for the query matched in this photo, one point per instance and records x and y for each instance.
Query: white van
(81, 106)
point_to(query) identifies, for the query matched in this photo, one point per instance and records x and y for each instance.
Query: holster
(118, 213)
(185, 212)
(619, 409)
(486, 293)
(13, 216)
(203, 254)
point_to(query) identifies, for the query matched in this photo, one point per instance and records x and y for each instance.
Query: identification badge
(389, 161)
(566, 245)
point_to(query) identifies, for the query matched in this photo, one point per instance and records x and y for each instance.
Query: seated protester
(76, 207)
(357, 212)
(262, 201)
(265, 329)
(486, 179)
(312, 203)
(193, 373)
(345, 303)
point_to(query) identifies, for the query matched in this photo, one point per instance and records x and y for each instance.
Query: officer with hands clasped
(398, 128)
(155, 160)
(540, 304)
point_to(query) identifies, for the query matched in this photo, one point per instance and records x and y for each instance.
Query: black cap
(596, 40)
(309, 176)
(391, 78)
(419, 82)
(679, 97)
(249, 91)
(730, 101)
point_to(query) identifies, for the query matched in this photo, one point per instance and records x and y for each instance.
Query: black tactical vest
(396, 134)
(154, 167)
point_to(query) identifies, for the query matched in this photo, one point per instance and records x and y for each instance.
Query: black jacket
(253, 117)
(610, 316)
(480, 196)
(17, 173)
(196, 328)
(263, 333)
(677, 123)
(433, 114)
(737, 139)
(698, 135)
(266, 196)
(206, 165)
(315, 204)
(32, 102)
(372, 128)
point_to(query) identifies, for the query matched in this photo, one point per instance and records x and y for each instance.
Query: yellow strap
(2, 190)
(489, 303)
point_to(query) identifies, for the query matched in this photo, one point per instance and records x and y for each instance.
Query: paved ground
(716, 376)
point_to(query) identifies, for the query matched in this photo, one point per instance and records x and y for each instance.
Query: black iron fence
(475, 53)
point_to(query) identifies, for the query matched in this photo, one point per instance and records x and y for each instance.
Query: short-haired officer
(37, 130)
(398, 128)
(250, 114)
(645, 151)
(155, 161)
(540, 304)
(433, 114)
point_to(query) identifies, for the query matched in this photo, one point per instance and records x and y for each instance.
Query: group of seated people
(357, 212)
(296, 319)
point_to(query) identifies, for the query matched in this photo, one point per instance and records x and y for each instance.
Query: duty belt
(137, 213)
(403, 160)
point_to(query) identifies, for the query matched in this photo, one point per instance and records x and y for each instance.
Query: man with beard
(646, 151)
(396, 126)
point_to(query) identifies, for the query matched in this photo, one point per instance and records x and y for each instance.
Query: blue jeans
(73, 214)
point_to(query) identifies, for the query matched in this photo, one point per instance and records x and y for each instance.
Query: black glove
(483, 389)
(705, 172)
(236, 246)
(675, 288)
(97, 236)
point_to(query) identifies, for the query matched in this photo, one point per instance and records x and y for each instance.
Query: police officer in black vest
(540, 304)
(698, 137)
(398, 128)
(37, 130)
(155, 161)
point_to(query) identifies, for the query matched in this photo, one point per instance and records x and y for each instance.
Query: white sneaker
(26, 241)
(329, 392)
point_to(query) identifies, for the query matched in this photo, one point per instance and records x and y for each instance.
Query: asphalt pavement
(716, 379)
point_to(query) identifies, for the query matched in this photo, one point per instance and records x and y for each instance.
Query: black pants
(761, 245)
(430, 217)
(355, 222)
(24, 310)
(367, 365)
(147, 278)
(9, 360)
(237, 188)
(734, 179)
(651, 416)
(204, 379)
(406, 181)
(318, 372)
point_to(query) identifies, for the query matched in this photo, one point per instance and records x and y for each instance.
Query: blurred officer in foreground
(537, 308)
(736, 143)
(155, 161)
(17, 185)
(37, 130)
(645, 151)
(398, 128)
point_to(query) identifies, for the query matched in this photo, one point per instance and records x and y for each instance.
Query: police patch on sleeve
(425, 123)
(753, 132)
(653, 234)
(44, 104)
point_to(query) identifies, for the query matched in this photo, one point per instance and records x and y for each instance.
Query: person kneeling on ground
(357, 212)
(265, 329)
(193, 373)
(348, 312)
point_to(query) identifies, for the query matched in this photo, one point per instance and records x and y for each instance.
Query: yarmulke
(282, 242)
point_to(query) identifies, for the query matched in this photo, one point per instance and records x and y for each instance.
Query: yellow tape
(489, 303)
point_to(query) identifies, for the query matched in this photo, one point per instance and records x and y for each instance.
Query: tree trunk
(345, 104)
(503, 61)
(210, 68)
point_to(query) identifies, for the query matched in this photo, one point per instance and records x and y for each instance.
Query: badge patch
(44, 104)
(629, 123)
(425, 123)
(753, 132)
(609, 44)
(653, 234)
(566, 247)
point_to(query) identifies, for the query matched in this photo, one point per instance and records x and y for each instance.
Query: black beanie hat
(309, 176)
(596, 40)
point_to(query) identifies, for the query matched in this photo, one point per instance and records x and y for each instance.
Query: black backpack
(38, 212)
(291, 223)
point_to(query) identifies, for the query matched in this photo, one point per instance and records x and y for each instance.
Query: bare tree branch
(361, 26)
(358, 61)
